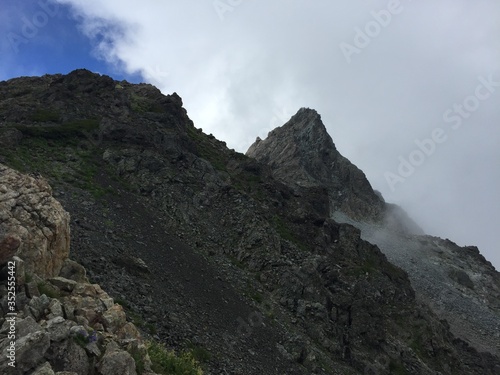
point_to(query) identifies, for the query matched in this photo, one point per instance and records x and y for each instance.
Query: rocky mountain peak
(303, 131)
(306, 119)
(301, 152)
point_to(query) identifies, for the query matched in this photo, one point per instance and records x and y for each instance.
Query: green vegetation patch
(49, 290)
(142, 104)
(207, 149)
(396, 368)
(367, 267)
(249, 183)
(45, 115)
(199, 353)
(59, 157)
(286, 232)
(139, 362)
(168, 363)
(137, 318)
(71, 129)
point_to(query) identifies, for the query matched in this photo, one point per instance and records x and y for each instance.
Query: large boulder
(116, 361)
(33, 225)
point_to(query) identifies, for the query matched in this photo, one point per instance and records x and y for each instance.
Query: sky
(408, 90)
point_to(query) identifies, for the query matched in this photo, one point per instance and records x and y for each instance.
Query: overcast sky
(408, 90)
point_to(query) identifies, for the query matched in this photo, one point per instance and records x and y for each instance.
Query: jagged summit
(306, 120)
(301, 152)
(305, 117)
(449, 277)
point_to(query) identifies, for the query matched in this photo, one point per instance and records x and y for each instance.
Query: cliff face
(217, 253)
(458, 283)
(302, 153)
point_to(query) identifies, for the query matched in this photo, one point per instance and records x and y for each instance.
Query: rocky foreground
(239, 262)
(60, 322)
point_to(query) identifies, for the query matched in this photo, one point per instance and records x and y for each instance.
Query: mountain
(458, 283)
(249, 264)
(302, 153)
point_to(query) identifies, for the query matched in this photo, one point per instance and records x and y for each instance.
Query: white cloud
(265, 58)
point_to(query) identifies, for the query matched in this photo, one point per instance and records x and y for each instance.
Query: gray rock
(59, 329)
(38, 305)
(68, 356)
(302, 153)
(32, 289)
(43, 369)
(63, 283)
(26, 326)
(93, 350)
(56, 309)
(115, 318)
(133, 264)
(73, 271)
(116, 361)
(461, 277)
(31, 349)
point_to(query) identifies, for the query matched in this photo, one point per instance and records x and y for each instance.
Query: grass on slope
(59, 153)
